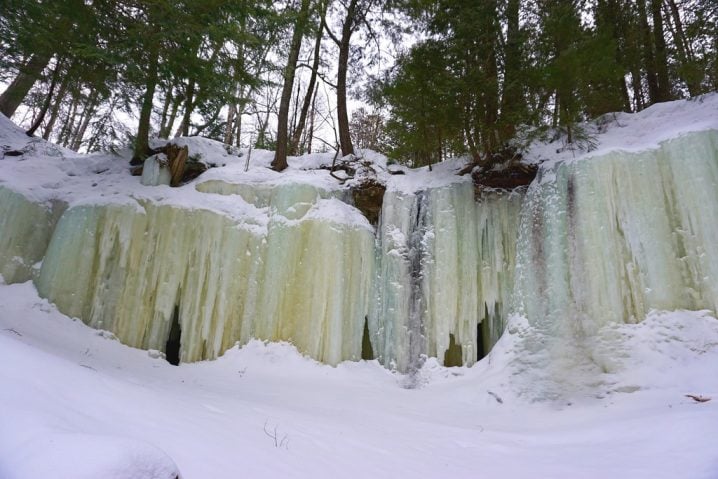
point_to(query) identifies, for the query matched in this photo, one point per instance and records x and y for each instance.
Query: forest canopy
(418, 80)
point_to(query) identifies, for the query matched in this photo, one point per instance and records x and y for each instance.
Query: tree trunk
(491, 92)
(648, 56)
(183, 129)
(48, 101)
(292, 124)
(512, 99)
(13, 96)
(238, 127)
(56, 107)
(683, 47)
(279, 162)
(310, 132)
(165, 110)
(229, 129)
(609, 18)
(167, 129)
(87, 115)
(66, 131)
(296, 138)
(664, 86)
(345, 139)
(142, 142)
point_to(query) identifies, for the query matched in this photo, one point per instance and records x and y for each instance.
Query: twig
(496, 396)
(274, 435)
(698, 398)
(12, 331)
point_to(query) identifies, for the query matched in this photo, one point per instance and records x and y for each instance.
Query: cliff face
(590, 242)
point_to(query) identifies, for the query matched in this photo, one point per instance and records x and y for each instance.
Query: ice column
(607, 239)
(445, 265)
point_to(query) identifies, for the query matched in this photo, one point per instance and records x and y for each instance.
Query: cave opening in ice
(367, 350)
(481, 338)
(174, 340)
(453, 356)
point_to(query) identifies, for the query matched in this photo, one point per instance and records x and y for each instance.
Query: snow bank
(86, 456)
(69, 390)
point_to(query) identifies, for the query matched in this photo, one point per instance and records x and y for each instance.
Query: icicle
(124, 268)
(443, 260)
(610, 238)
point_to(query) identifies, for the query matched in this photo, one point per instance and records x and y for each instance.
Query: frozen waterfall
(590, 242)
(609, 238)
(445, 267)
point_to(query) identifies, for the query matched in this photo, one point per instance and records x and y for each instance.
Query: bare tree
(279, 162)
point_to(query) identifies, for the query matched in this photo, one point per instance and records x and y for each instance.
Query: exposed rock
(513, 176)
(193, 169)
(368, 197)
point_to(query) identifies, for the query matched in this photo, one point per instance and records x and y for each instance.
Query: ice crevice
(590, 243)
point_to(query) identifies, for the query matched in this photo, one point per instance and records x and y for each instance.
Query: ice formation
(592, 241)
(132, 268)
(156, 171)
(610, 238)
(25, 231)
(445, 266)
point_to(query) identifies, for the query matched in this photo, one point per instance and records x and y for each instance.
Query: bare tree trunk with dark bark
(689, 73)
(664, 86)
(87, 115)
(512, 99)
(296, 138)
(648, 54)
(279, 162)
(491, 94)
(165, 110)
(310, 132)
(48, 101)
(16, 92)
(56, 107)
(167, 127)
(345, 138)
(66, 130)
(183, 129)
(142, 142)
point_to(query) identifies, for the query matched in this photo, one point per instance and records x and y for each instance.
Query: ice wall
(591, 242)
(610, 238)
(444, 266)
(126, 268)
(25, 231)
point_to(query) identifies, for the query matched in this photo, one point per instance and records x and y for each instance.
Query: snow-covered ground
(74, 403)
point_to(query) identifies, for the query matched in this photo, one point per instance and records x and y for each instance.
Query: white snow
(76, 403)
(633, 132)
